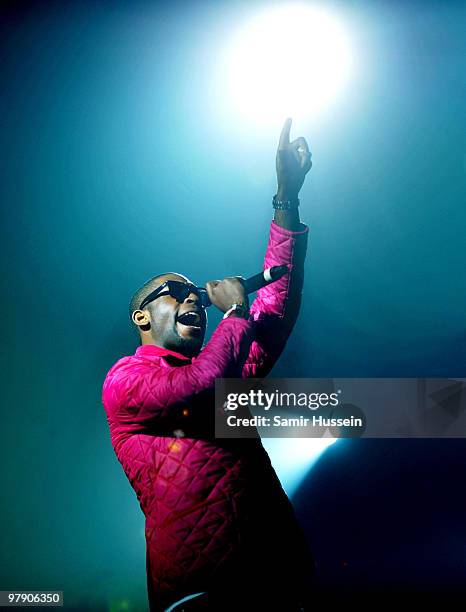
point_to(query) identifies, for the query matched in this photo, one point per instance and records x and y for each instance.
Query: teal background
(114, 168)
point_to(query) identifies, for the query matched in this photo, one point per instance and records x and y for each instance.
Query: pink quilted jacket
(217, 518)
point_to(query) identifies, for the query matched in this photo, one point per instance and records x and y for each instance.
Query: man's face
(170, 327)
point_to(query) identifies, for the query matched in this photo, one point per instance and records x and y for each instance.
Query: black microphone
(253, 283)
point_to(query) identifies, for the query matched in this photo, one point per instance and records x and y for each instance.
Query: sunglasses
(179, 291)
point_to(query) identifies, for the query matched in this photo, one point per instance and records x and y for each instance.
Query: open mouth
(192, 320)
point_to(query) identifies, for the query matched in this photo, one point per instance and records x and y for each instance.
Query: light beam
(290, 60)
(292, 458)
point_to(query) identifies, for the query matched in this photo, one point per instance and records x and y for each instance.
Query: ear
(141, 319)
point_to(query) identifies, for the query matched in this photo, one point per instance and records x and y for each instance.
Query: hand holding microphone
(235, 290)
(227, 292)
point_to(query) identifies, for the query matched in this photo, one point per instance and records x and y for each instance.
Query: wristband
(285, 204)
(241, 308)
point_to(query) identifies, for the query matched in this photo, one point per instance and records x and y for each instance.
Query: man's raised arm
(276, 306)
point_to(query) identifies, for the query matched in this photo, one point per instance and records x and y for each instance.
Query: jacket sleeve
(135, 392)
(276, 307)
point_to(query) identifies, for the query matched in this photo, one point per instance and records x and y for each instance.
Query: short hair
(141, 294)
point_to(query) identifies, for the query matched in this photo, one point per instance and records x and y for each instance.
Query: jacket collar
(158, 351)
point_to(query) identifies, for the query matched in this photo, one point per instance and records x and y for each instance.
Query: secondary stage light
(293, 458)
(290, 60)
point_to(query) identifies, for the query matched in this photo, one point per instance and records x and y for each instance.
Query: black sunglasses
(179, 291)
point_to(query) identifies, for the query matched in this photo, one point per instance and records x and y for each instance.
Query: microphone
(253, 283)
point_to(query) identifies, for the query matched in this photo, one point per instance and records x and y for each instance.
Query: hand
(293, 162)
(227, 292)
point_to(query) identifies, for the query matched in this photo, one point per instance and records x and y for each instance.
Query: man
(220, 530)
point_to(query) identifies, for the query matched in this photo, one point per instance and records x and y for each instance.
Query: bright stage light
(292, 458)
(288, 61)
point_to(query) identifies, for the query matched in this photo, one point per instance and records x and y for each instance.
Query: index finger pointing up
(285, 134)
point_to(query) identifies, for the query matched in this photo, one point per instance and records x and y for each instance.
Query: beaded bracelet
(285, 204)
